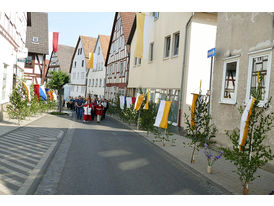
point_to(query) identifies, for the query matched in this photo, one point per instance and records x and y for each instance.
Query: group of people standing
(88, 107)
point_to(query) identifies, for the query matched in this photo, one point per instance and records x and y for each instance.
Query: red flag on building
(55, 41)
(36, 90)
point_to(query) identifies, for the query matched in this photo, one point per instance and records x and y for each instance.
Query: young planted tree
(57, 82)
(199, 129)
(255, 153)
(34, 102)
(148, 117)
(18, 107)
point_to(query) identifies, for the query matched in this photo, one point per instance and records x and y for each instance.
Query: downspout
(183, 71)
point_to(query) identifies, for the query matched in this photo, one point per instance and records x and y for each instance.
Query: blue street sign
(211, 53)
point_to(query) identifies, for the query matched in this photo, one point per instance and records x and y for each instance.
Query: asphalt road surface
(109, 159)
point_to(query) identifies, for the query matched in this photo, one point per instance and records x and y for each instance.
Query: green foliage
(57, 81)
(202, 132)
(34, 103)
(18, 108)
(148, 117)
(163, 135)
(255, 153)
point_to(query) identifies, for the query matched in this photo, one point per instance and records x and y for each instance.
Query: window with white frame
(89, 82)
(230, 81)
(82, 89)
(176, 38)
(98, 51)
(135, 61)
(259, 62)
(96, 83)
(167, 47)
(92, 82)
(82, 63)
(100, 83)
(151, 51)
(82, 75)
(74, 63)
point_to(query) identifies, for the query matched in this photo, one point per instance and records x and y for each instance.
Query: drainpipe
(183, 71)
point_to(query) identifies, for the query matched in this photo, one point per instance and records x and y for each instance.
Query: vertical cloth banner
(245, 122)
(139, 101)
(55, 42)
(42, 92)
(54, 95)
(122, 102)
(129, 102)
(27, 91)
(146, 105)
(36, 90)
(162, 115)
(50, 95)
(140, 21)
(149, 21)
(91, 60)
(193, 108)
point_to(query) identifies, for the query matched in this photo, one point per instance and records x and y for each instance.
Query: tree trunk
(60, 101)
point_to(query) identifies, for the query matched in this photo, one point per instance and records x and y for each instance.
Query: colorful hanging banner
(27, 91)
(36, 90)
(139, 101)
(55, 42)
(245, 122)
(91, 60)
(140, 20)
(146, 105)
(162, 115)
(42, 92)
(193, 108)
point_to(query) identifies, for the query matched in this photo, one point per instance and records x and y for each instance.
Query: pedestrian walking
(93, 112)
(79, 107)
(87, 110)
(99, 111)
(105, 105)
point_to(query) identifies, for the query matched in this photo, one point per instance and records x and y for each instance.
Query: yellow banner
(146, 105)
(164, 120)
(90, 66)
(139, 101)
(194, 100)
(245, 123)
(140, 17)
(27, 90)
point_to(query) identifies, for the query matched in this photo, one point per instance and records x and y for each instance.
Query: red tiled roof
(127, 20)
(104, 43)
(88, 45)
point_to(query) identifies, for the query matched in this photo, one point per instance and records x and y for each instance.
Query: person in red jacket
(87, 110)
(99, 111)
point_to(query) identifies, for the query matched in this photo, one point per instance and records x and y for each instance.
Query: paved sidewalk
(222, 172)
(25, 152)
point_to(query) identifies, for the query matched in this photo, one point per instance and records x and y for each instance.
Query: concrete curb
(19, 126)
(32, 182)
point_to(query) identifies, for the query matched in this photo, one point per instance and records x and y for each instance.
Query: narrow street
(108, 159)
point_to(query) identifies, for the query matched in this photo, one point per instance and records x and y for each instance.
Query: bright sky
(72, 24)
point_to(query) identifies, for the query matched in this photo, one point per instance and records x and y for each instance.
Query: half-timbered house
(118, 55)
(37, 44)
